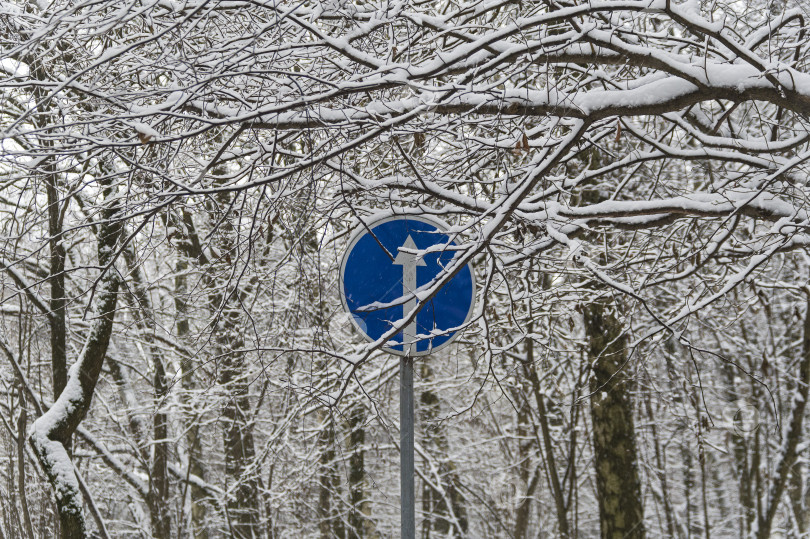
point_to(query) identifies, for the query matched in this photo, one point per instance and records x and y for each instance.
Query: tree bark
(619, 494)
(660, 469)
(243, 504)
(799, 499)
(792, 436)
(158, 497)
(190, 250)
(524, 508)
(548, 447)
(359, 524)
(52, 431)
(329, 525)
(57, 303)
(242, 475)
(21, 425)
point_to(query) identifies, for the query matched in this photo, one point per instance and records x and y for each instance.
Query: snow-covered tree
(180, 178)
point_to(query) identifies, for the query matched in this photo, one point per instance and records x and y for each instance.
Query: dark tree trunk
(158, 497)
(21, 426)
(329, 525)
(190, 247)
(56, 278)
(799, 499)
(159, 477)
(524, 450)
(660, 470)
(621, 513)
(240, 453)
(57, 302)
(242, 507)
(358, 517)
(548, 445)
(52, 431)
(792, 436)
(742, 469)
(242, 476)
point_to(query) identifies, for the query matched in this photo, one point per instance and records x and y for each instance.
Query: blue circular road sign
(385, 263)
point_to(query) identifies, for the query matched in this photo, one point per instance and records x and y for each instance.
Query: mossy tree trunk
(621, 513)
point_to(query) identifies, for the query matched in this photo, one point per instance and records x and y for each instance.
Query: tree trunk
(445, 512)
(21, 425)
(792, 436)
(158, 497)
(189, 247)
(799, 498)
(740, 462)
(159, 500)
(329, 525)
(58, 325)
(524, 508)
(619, 494)
(660, 467)
(242, 506)
(243, 478)
(359, 524)
(548, 446)
(51, 432)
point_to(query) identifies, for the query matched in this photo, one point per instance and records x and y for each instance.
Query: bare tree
(216, 138)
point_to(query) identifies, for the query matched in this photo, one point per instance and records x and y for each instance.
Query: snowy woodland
(179, 180)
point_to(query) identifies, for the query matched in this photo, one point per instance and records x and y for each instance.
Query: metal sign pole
(409, 262)
(408, 515)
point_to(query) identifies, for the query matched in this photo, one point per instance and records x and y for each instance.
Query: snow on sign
(385, 263)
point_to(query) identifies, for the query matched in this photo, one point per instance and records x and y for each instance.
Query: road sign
(380, 279)
(387, 261)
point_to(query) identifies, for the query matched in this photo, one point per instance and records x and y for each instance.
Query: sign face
(382, 266)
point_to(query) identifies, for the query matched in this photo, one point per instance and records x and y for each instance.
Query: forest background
(179, 180)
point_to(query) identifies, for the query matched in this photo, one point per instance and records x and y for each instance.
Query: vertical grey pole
(409, 262)
(408, 525)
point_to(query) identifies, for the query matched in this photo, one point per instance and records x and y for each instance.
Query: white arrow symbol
(409, 262)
